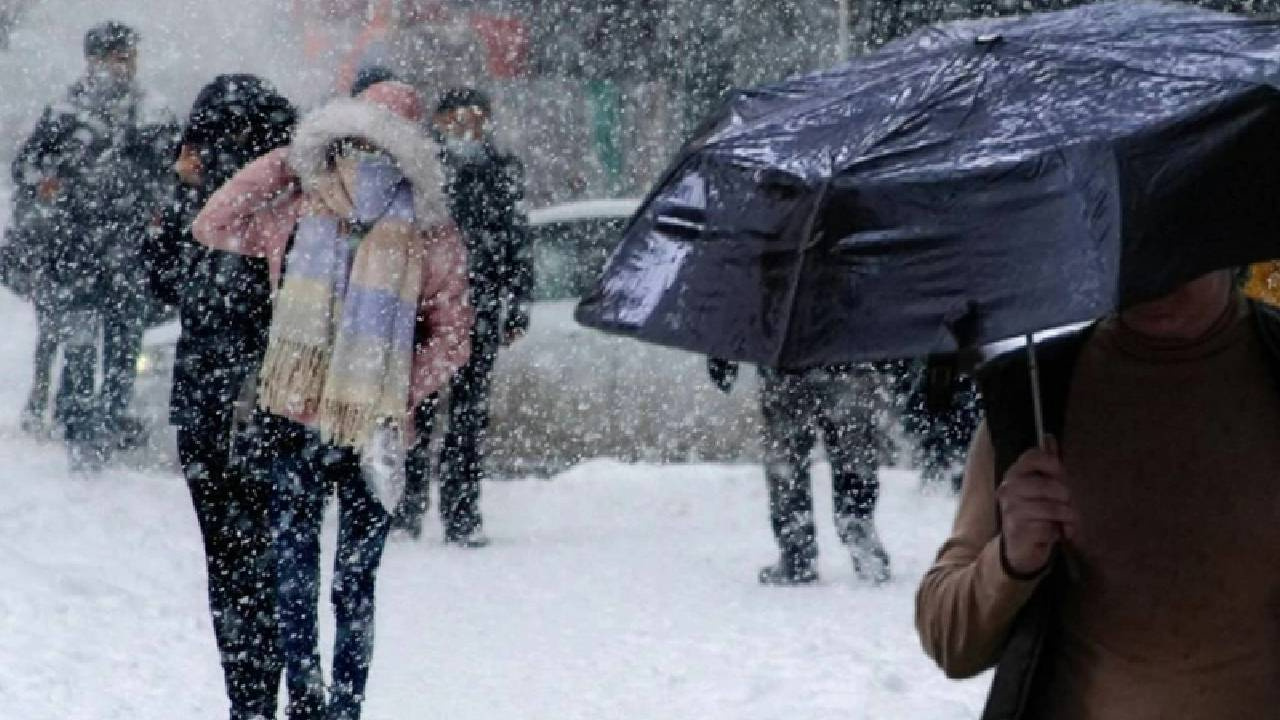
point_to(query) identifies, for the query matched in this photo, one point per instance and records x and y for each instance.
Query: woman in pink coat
(370, 318)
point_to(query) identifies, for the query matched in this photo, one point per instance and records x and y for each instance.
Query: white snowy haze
(611, 589)
(185, 43)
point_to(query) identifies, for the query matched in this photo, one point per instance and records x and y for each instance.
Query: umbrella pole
(1036, 403)
(1070, 561)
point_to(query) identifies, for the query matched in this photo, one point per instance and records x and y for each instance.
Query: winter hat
(370, 76)
(108, 37)
(463, 97)
(400, 98)
(242, 109)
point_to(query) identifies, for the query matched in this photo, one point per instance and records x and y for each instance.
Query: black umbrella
(975, 182)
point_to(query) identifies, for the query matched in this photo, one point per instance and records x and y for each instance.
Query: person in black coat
(224, 307)
(484, 187)
(840, 405)
(93, 172)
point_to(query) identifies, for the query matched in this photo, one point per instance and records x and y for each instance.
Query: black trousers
(840, 407)
(461, 464)
(232, 507)
(122, 329)
(42, 373)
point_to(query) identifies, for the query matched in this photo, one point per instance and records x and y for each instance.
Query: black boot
(791, 569)
(473, 539)
(870, 560)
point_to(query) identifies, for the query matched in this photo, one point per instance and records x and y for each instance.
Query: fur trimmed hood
(403, 139)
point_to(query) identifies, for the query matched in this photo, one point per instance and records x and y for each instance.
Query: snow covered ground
(612, 591)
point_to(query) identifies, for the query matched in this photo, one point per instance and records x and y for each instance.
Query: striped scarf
(341, 351)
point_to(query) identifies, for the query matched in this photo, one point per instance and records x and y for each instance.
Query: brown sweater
(1173, 457)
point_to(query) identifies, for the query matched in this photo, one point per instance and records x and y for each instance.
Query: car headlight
(146, 363)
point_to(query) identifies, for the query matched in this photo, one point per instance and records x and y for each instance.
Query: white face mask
(366, 157)
(465, 150)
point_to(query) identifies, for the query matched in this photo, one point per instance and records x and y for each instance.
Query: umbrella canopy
(974, 182)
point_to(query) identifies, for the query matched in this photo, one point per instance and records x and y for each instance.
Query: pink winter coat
(255, 213)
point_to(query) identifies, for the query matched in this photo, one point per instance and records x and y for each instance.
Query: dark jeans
(122, 328)
(76, 404)
(80, 406)
(418, 461)
(305, 471)
(840, 407)
(42, 375)
(232, 506)
(462, 457)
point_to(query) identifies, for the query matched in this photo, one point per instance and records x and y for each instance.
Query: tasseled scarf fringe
(293, 377)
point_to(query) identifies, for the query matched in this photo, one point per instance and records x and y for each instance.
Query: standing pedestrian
(839, 405)
(939, 409)
(224, 302)
(371, 318)
(484, 187)
(99, 165)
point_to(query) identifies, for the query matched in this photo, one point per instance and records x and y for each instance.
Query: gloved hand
(515, 326)
(723, 373)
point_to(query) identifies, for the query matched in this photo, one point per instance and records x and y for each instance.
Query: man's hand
(511, 336)
(1035, 510)
(516, 326)
(49, 189)
(189, 168)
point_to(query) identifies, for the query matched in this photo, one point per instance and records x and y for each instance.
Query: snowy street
(611, 591)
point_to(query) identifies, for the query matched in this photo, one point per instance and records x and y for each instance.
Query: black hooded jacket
(223, 299)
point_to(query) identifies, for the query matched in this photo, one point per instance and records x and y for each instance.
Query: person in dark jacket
(939, 410)
(224, 307)
(840, 405)
(98, 166)
(484, 186)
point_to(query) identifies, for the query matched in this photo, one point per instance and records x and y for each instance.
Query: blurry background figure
(224, 303)
(484, 187)
(939, 409)
(840, 406)
(91, 176)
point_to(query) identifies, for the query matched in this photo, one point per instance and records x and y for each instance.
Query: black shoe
(85, 457)
(409, 523)
(474, 540)
(870, 560)
(127, 433)
(34, 424)
(788, 571)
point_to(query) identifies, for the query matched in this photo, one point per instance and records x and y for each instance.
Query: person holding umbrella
(1158, 485)
(1116, 544)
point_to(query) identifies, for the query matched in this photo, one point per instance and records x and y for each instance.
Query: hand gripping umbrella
(975, 182)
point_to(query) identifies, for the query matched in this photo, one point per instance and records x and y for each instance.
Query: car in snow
(564, 393)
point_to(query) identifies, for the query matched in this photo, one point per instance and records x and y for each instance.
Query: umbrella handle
(1037, 403)
(1069, 558)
